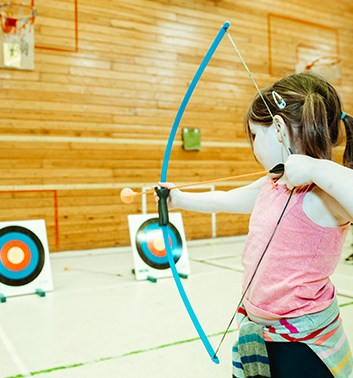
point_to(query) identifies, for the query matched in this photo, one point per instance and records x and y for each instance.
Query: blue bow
(164, 211)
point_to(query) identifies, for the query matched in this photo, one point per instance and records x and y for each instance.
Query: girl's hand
(298, 170)
(171, 200)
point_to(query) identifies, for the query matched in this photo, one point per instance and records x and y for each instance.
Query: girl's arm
(333, 179)
(237, 201)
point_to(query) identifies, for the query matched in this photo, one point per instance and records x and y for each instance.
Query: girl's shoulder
(323, 209)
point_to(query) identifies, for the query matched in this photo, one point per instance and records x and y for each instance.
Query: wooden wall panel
(95, 114)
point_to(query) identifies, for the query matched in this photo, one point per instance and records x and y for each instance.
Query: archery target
(24, 258)
(150, 256)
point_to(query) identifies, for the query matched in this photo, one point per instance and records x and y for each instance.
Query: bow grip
(162, 206)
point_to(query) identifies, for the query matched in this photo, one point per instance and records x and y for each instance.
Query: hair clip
(343, 115)
(278, 100)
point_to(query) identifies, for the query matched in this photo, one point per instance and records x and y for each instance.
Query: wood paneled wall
(95, 114)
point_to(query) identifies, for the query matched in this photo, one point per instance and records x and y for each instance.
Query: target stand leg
(40, 292)
(152, 279)
(183, 275)
(2, 298)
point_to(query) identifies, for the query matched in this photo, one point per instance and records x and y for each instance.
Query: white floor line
(12, 351)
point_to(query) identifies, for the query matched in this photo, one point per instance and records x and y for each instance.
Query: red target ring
(15, 255)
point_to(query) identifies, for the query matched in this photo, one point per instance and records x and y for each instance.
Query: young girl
(289, 324)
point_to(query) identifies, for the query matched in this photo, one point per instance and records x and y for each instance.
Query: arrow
(128, 195)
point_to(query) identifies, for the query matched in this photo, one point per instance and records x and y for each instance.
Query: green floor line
(346, 304)
(117, 357)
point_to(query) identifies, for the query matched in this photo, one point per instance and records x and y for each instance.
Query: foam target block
(24, 258)
(150, 256)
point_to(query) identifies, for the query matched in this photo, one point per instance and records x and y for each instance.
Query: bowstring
(256, 269)
(287, 146)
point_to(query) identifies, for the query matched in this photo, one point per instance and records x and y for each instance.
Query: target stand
(24, 259)
(150, 256)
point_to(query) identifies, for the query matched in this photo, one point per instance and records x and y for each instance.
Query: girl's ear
(281, 127)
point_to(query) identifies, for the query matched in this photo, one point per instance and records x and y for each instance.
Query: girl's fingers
(171, 196)
(166, 185)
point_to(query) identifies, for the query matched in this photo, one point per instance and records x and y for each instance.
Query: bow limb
(187, 96)
(167, 154)
(186, 301)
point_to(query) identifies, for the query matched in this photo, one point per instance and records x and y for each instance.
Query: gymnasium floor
(100, 322)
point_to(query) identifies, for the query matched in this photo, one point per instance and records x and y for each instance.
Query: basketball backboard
(17, 35)
(297, 45)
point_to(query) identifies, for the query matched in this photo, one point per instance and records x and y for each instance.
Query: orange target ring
(15, 255)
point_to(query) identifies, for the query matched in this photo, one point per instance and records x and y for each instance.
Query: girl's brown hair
(312, 114)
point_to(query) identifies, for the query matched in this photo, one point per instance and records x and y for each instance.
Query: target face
(21, 256)
(150, 244)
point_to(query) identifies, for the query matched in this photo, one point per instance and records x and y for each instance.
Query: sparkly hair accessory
(278, 100)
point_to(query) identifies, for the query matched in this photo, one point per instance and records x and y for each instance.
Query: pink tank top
(293, 277)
